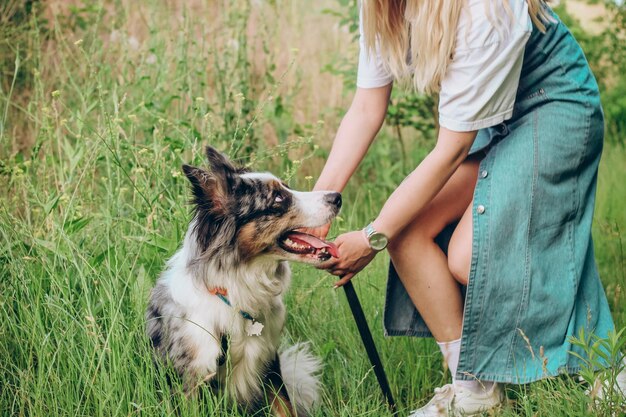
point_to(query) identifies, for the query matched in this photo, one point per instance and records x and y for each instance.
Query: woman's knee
(460, 249)
(459, 264)
(448, 206)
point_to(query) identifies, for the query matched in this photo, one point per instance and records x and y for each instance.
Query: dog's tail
(300, 369)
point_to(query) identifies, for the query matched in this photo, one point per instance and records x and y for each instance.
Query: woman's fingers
(355, 254)
(334, 266)
(328, 265)
(344, 280)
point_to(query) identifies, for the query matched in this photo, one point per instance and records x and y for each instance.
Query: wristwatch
(376, 240)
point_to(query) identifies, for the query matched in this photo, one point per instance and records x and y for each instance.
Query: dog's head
(255, 214)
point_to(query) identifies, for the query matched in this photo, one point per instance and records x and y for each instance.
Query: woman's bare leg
(460, 248)
(421, 264)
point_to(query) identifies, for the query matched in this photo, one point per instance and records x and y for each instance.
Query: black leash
(368, 342)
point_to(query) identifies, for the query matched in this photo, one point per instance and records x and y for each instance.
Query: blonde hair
(397, 24)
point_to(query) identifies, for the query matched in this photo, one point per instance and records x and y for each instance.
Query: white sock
(451, 351)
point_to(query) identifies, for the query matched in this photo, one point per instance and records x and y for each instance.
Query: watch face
(378, 241)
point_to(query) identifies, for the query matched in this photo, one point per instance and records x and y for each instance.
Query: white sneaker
(453, 401)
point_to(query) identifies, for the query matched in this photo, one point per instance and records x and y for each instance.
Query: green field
(101, 103)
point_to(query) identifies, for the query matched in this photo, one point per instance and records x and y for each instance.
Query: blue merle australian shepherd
(216, 313)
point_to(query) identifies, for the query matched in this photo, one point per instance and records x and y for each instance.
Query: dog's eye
(278, 199)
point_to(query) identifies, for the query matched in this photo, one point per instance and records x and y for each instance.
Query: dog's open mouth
(308, 245)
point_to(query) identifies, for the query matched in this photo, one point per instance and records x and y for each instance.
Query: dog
(216, 313)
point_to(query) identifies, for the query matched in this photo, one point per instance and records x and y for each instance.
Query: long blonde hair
(397, 24)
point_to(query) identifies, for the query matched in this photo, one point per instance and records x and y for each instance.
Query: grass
(101, 103)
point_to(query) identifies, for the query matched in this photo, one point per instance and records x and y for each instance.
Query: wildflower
(133, 43)
(233, 44)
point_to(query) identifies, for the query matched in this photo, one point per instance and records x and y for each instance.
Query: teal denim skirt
(533, 279)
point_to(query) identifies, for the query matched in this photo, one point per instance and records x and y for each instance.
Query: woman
(515, 164)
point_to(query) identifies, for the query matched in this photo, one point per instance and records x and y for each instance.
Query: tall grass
(100, 104)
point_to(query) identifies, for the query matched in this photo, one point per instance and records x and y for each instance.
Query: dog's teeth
(298, 248)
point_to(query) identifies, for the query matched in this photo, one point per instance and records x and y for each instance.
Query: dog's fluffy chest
(208, 312)
(189, 322)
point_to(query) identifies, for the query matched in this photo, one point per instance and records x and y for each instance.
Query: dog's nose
(334, 199)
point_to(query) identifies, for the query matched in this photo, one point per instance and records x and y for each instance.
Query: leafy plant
(604, 355)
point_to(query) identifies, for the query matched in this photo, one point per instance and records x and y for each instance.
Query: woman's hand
(354, 255)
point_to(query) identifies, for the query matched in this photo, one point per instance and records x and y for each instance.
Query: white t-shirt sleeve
(371, 72)
(481, 83)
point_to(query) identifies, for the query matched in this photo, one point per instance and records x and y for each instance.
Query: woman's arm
(405, 203)
(425, 182)
(356, 132)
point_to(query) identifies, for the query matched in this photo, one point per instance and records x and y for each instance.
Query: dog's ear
(219, 163)
(223, 170)
(209, 192)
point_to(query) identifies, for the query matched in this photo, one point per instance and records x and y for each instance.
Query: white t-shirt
(479, 88)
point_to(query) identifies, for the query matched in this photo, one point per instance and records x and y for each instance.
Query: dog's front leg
(209, 369)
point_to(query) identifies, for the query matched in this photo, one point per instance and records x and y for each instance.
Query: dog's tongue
(315, 242)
